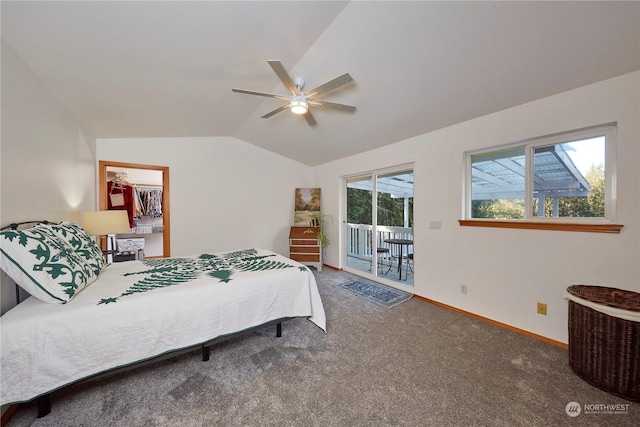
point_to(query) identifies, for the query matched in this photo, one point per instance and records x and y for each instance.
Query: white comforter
(140, 309)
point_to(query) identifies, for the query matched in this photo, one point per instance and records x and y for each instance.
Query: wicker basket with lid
(604, 338)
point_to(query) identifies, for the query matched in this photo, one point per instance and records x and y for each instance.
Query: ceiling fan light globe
(298, 104)
(298, 109)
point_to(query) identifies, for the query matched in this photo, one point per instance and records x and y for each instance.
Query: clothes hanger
(120, 180)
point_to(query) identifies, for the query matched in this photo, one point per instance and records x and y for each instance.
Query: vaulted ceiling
(166, 69)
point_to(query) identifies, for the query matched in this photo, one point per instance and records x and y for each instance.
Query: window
(498, 184)
(566, 177)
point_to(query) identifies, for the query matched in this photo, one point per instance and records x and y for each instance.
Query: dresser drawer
(304, 232)
(304, 242)
(305, 257)
(304, 249)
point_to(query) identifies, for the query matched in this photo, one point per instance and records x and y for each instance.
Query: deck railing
(360, 242)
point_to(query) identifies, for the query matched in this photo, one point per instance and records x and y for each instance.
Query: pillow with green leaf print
(43, 264)
(84, 245)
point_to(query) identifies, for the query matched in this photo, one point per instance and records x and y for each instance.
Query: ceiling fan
(298, 101)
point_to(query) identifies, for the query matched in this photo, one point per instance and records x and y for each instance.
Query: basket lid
(611, 297)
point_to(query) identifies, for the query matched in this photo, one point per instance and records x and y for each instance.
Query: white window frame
(609, 131)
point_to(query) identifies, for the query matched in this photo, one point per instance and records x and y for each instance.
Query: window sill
(539, 225)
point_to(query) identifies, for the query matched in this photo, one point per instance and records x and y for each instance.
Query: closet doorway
(152, 223)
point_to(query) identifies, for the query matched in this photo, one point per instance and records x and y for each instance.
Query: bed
(98, 318)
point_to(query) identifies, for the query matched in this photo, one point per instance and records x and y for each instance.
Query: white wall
(225, 194)
(507, 271)
(48, 162)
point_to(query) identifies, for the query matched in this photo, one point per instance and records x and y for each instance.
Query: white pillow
(84, 245)
(43, 264)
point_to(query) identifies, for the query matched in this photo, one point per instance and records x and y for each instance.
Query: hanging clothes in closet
(148, 201)
(148, 209)
(120, 197)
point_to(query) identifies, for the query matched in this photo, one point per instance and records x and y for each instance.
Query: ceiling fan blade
(252, 92)
(332, 105)
(309, 118)
(284, 76)
(276, 111)
(330, 85)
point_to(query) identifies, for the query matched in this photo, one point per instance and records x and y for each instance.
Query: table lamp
(106, 223)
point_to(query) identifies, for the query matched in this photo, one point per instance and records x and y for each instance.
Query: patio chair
(382, 253)
(409, 262)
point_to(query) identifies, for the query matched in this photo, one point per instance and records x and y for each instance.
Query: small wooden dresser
(304, 246)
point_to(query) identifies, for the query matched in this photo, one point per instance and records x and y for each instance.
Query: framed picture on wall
(307, 207)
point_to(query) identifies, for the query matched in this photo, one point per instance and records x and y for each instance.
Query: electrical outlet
(435, 225)
(542, 308)
(463, 289)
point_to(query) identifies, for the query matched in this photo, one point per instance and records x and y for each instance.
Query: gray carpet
(375, 292)
(415, 365)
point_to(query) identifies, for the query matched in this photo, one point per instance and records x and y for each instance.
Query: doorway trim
(166, 211)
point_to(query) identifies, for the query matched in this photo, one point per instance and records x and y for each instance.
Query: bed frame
(43, 402)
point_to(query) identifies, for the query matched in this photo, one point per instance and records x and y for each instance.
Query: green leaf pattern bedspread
(165, 272)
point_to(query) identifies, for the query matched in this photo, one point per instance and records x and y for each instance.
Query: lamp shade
(100, 223)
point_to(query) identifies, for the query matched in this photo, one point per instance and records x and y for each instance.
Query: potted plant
(323, 238)
(321, 222)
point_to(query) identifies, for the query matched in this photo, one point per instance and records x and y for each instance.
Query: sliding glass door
(379, 225)
(359, 220)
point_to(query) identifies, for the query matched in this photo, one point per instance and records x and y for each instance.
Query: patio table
(401, 243)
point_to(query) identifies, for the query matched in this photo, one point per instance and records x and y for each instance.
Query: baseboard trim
(331, 267)
(494, 322)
